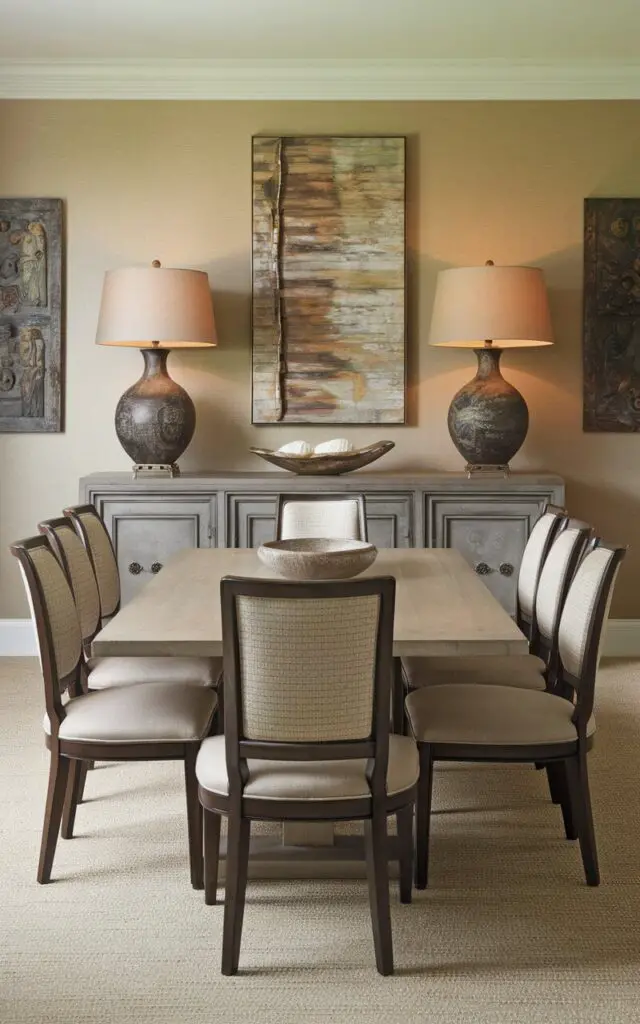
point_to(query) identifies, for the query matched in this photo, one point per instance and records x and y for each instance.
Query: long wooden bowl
(329, 464)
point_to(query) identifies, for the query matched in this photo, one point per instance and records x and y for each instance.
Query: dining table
(442, 609)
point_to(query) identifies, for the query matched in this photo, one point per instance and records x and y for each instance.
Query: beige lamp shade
(155, 306)
(505, 305)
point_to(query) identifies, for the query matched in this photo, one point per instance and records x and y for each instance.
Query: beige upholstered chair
(531, 671)
(166, 721)
(536, 550)
(316, 515)
(115, 671)
(307, 676)
(505, 724)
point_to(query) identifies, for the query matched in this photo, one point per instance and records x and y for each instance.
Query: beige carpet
(507, 933)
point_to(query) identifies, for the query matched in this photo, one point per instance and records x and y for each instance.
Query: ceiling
(542, 30)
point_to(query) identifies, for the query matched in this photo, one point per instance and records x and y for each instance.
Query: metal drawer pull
(483, 569)
(135, 568)
(506, 569)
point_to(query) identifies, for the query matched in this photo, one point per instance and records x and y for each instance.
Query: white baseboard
(17, 638)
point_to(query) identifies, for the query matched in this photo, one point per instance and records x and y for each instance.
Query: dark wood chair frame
(67, 755)
(74, 513)
(568, 761)
(241, 810)
(283, 499)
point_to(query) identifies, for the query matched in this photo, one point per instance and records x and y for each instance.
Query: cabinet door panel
(147, 532)
(251, 520)
(389, 519)
(491, 533)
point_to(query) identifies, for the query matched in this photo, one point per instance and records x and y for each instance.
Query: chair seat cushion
(522, 670)
(104, 672)
(163, 713)
(307, 780)
(467, 714)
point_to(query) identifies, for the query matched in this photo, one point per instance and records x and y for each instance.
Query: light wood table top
(442, 607)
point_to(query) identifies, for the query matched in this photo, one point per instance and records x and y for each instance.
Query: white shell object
(296, 448)
(338, 444)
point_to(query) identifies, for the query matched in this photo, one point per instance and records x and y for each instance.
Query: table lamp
(155, 309)
(489, 309)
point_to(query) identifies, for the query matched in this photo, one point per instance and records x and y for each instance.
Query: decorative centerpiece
(317, 559)
(329, 458)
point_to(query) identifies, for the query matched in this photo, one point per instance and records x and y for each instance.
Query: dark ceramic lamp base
(155, 418)
(488, 418)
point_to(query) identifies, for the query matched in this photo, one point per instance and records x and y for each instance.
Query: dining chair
(124, 723)
(319, 515)
(114, 671)
(307, 677)
(534, 670)
(508, 725)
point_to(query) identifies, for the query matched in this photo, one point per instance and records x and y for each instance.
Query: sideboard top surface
(357, 481)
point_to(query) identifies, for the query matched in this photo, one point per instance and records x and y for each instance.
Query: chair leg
(194, 817)
(235, 888)
(58, 776)
(566, 806)
(211, 856)
(377, 858)
(404, 819)
(73, 795)
(555, 790)
(423, 815)
(578, 781)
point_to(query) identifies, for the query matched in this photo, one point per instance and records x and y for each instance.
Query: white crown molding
(319, 80)
(18, 638)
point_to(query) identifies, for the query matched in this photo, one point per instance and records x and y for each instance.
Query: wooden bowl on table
(317, 559)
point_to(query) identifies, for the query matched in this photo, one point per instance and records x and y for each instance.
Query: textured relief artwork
(611, 352)
(328, 280)
(30, 328)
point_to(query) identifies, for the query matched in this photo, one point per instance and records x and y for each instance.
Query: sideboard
(488, 519)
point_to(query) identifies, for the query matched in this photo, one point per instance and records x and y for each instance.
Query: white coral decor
(296, 448)
(336, 446)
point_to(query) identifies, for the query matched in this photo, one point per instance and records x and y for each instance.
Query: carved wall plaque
(30, 315)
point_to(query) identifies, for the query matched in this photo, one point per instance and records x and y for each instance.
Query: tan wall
(172, 180)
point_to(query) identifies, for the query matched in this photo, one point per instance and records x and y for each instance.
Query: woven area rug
(508, 932)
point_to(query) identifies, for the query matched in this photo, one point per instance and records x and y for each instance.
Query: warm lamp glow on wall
(489, 309)
(155, 310)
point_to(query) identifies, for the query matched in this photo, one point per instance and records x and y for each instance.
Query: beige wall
(172, 180)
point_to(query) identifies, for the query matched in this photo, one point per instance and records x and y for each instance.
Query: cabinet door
(390, 519)
(250, 520)
(490, 531)
(147, 531)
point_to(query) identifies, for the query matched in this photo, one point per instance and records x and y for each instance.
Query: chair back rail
(55, 619)
(319, 694)
(560, 565)
(552, 520)
(321, 515)
(77, 565)
(582, 624)
(94, 535)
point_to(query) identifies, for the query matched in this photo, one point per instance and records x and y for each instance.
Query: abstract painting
(328, 323)
(611, 351)
(30, 315)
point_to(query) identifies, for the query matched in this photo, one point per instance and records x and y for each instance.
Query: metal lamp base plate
(486, 470)
(155, 470)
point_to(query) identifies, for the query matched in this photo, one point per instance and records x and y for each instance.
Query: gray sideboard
(488, 519)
